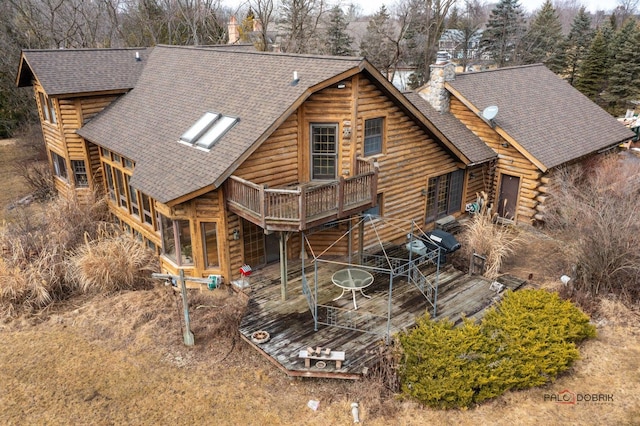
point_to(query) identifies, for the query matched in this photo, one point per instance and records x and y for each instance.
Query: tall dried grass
(496, 242)
(35, 243)
(111, 263)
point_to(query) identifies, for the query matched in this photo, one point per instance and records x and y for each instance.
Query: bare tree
(299, 19)
(263, 11)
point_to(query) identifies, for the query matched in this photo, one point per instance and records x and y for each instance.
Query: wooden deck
(291, 325)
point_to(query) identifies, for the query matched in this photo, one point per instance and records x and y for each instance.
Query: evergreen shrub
(527, 340)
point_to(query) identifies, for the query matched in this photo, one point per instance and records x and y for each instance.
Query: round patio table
(352, 279)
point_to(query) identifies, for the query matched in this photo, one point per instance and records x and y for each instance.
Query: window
(210, 244)
(122, 194)
(128, 163)
(48, 110)
(108, 174)
(147, 216)
(80, 173)
(324, 151)
(106, 153)
(59, 165)
(373, 136)
(133, 195)
(377, 209)
(176, 240)
(444, 195)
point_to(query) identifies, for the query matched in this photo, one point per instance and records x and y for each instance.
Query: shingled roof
(542, 113)
(454, 130)
(178, 85)
(73, 71)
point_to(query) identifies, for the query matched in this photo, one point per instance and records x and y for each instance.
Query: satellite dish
(490, 112)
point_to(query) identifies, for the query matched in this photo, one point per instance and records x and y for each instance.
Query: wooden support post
(283, 265)
(188, 335)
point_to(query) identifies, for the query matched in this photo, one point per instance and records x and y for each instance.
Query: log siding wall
(510, 162)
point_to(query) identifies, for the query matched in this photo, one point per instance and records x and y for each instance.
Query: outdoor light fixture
(341, 85)
(236, 234)
(505, 144)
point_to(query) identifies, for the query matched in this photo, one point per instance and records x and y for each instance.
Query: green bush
(525, 341)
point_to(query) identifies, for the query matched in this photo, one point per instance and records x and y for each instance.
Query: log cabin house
(217, 157)
(542, 125)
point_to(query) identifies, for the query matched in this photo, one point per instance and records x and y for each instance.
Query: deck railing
(303, 206)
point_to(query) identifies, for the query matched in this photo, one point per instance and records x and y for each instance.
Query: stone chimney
(234, 31)
(434, 91)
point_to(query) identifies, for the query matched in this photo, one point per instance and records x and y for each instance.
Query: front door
(508, 200)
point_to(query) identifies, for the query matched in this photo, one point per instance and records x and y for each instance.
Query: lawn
(119, 359)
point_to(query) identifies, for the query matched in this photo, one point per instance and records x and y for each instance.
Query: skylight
(208, 130)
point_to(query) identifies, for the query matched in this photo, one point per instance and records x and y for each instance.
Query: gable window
(59, 165)
(444, 195)
(210, 244)
(176, 240)
(373, 136)
(48, 110)
(80, 173)
(324, 151)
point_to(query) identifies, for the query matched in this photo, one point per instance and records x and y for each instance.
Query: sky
(371, 6)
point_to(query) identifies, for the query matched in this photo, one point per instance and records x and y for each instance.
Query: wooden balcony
(303, 206)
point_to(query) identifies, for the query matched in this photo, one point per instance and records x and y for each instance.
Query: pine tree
(577, 44)
(504, 32)
(339, 42)
(592, 79)
(542, 40)
(624, 74)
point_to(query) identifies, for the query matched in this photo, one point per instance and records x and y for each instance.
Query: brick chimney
(234, 31)
(433, 91)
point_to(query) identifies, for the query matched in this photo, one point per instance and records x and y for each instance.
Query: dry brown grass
(495, 242)
(119, 359)
(111, 262)
(35, 246)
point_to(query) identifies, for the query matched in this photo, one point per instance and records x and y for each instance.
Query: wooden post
(283, 265)
(188, 335)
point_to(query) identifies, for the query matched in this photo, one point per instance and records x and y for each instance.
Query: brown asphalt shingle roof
(62, 72)
(178, 85)
(548, 117)
(454, 130)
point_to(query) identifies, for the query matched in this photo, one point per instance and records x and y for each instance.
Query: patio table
(352, 279)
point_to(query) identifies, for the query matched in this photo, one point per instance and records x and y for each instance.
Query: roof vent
(295, 78)
(138, 56)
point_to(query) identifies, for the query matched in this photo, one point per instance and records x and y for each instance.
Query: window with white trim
(324, 151)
